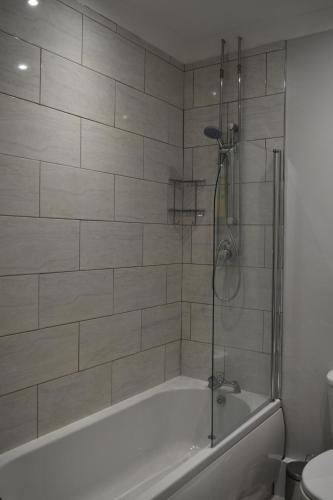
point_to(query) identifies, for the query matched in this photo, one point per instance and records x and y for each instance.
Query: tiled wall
(90, 269)
(243, 327)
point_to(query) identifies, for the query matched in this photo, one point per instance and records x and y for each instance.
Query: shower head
(214, 133)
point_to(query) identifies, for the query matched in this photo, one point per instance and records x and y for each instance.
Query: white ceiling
(190, 29)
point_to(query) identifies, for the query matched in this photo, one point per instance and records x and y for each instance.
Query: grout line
(82, 17)
(40, 76)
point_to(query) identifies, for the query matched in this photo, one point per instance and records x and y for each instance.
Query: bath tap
(219, 381)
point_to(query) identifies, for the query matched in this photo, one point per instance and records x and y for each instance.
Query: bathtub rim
(174, 479)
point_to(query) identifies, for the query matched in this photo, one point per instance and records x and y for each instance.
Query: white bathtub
(153, 445)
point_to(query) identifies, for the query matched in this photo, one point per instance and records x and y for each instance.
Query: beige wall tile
(250, 369)
(141, 201)
(70, 398)
(109, 53)
(174, 282)
(257, 203)
(234, 327)
(19, 186)
(186, 320)
(37, 132)
(111, 150)
(267, 342)
(72, 88)
(38, 245)
(172, 360)
(53, 26)
(110, 244)
(18, 304)
(162, 244)
(195, 120)
(163, 80)
(67, 297)
(148, 116)
(161, 325)
(18, 423)
(252, 156)
(188, 89)
(207, 85)
(202, 244)
(34, 357)
(13, 80)
(139, 287)
(255, 288)
(162, 161)
(196, 359)
(254, 76)
(197, 283)
(68, 192)
(276, 72)
(205, 163)
(137, 373)
(263, 117)
(253, 246)
(106, 339)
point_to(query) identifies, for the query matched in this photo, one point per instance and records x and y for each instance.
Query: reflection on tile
(162, 161)
(197, 283)
(68, 297)
(31, 358)
(19, 68)
(276, 72)
(141, 201)
(251, 370)
(163, 80)
(110, 244)
(19, 186)
(195, 120)
(53, 26)
(30, 245)
(139, 287)
(137, 373)
(72, 88)
(68, 192)
(148, 116)
(263, 117)
(105, 339)
(18, 304)
(207, 85)
(109, 53)
(162, 244)
(196, 359)
(70, 398)
(174, 283)
(37, 132)
(161, 325)
(111, 150)
(18, 422)
(172, 360)
(257, 203)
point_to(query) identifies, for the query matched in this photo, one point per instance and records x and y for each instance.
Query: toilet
(317, 477)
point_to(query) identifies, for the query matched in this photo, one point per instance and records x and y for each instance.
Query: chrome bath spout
(218, 381)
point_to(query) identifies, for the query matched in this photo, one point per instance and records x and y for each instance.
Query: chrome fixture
(277, 279)
(226, 247)
(219, 381)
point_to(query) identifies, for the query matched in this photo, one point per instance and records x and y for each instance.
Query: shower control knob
(226, 250)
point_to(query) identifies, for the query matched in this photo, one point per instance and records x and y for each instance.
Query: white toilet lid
(317, 477)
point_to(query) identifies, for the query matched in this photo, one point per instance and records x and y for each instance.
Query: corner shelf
(195, 212)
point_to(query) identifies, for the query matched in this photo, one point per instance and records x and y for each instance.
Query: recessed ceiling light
(33, 3)
(22, 67)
